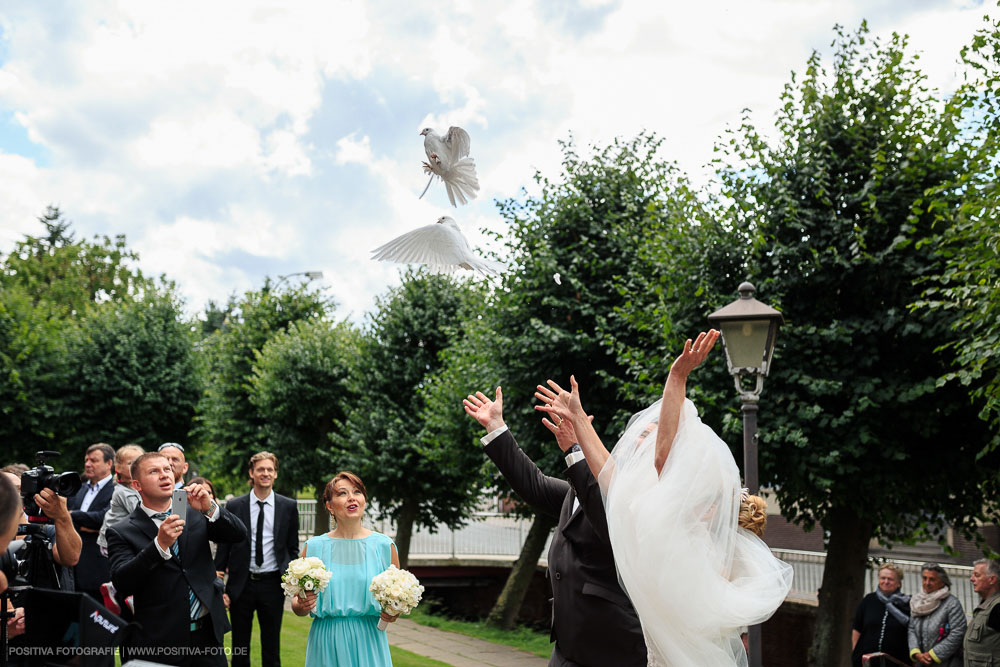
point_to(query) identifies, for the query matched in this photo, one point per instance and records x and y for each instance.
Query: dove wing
(458, 142)
(432, 244)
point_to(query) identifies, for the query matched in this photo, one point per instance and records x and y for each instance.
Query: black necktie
(259, 546)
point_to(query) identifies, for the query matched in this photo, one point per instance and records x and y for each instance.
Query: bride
(685, 535)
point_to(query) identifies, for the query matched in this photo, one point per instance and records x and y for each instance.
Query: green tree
(33, 367)
(72, 274)
(586, 297)
(301, 385)
(969, 240)
(417, 475)
(230, 428)
(134, 376)
(837, 203)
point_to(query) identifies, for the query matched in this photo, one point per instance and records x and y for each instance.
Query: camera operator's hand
(169, 531)
(52, 505)
(68, 544)
(15, 624)
(199, 498)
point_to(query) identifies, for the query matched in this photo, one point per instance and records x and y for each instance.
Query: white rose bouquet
(305, 575)
(398, 591)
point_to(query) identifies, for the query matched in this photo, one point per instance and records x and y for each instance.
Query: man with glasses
(175, 454)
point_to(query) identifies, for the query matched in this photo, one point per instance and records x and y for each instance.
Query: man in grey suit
(593, 621)
(255, 565)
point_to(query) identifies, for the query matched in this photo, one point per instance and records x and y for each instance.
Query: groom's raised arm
(545, 494)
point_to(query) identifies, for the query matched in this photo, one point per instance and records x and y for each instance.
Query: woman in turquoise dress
(344, 630)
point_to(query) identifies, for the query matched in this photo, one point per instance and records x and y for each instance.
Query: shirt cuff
(214, 515)
(492, 435)
(165, 553)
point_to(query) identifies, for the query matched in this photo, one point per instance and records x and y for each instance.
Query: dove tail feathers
(461, 182)
(426, 187)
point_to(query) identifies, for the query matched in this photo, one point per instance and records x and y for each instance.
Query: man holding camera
(87, 508)
(164, 560)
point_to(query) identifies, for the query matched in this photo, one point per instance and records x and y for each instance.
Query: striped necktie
(194, 603)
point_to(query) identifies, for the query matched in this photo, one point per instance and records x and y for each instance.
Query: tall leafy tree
(585, 297)
(134, 376)
(968, 286)
(230, 428)
(301, 385)
(417, 475)
(857, 431)
(57, 268)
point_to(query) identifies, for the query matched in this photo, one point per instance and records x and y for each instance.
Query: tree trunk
(842, 588)
(404, 531)
(322, 523)
(508, 603)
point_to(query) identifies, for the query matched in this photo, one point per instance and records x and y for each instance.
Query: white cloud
(235, 138)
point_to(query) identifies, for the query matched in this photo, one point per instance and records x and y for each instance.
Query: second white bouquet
(305, 575)
(397, 591)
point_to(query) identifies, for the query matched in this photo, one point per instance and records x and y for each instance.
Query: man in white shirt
(255, 566)
(87, 509)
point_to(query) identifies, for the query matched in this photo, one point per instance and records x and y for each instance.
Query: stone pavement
(458, 650)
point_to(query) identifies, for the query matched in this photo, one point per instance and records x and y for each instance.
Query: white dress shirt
(270, 562)
(92, 491)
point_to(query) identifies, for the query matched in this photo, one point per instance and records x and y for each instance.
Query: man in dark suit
(87, 509)
(165, 562)
(593, 621)
(255, 566)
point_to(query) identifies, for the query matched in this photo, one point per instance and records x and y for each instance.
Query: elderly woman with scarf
(937, 621)
(882, 618)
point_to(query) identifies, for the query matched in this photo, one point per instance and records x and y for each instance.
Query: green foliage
(417, 465)
(134, 377)
(621, 229)
(230, 428)
(966, 289)
(301, 386)
(33, 365)
(60, 270)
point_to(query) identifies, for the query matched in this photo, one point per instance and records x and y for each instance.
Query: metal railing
(492, 533)
(807, 567)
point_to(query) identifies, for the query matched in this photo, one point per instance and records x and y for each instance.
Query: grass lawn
(294, 630)
(523, 638)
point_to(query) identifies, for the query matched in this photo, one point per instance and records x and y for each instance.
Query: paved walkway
(458, 650)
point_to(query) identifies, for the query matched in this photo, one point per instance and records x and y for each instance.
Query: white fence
(495, 534)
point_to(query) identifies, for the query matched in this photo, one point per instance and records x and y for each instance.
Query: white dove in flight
(440, 246)
(448, 158)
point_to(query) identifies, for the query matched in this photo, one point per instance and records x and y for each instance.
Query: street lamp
(748, 328)
(310, 275)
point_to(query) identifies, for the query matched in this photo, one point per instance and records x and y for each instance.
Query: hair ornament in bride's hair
(744, 494)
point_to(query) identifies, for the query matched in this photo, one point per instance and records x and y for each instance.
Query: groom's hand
(564, 431)
(489, 413)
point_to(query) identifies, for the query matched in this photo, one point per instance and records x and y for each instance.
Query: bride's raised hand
(694, 353)
(558, 402)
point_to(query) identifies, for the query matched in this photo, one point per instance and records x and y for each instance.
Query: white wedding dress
(694, 577)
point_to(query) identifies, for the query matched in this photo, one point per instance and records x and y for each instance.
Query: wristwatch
(211, 509)
(574, 454)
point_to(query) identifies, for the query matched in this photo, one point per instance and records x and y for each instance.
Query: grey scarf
(890, 602)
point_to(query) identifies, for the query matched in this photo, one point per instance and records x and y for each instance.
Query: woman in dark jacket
(882, 618)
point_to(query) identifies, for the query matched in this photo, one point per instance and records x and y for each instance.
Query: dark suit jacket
(236, 557)
(593, 620)
(160, 586)
(92, 570)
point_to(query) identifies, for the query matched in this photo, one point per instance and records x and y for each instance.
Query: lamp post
(310, 275)
(749, 329)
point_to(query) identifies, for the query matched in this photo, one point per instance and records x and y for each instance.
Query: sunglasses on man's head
(169, 444)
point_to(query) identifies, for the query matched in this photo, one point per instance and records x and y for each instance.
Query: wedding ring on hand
(559, 422)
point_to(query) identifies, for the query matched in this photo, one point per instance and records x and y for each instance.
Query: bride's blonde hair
(753, 514)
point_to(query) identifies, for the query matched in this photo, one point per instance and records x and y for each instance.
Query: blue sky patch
(14, 140)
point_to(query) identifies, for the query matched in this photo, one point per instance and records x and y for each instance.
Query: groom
(593, 622)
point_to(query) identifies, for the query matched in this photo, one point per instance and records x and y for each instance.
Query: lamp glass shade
(746, 342)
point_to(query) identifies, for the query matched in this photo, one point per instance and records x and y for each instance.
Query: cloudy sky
(235, 140)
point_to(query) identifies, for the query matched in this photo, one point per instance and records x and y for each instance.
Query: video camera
(43, 477)
(28, 559)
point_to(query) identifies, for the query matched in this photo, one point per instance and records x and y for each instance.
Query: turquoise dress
(345, 630)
